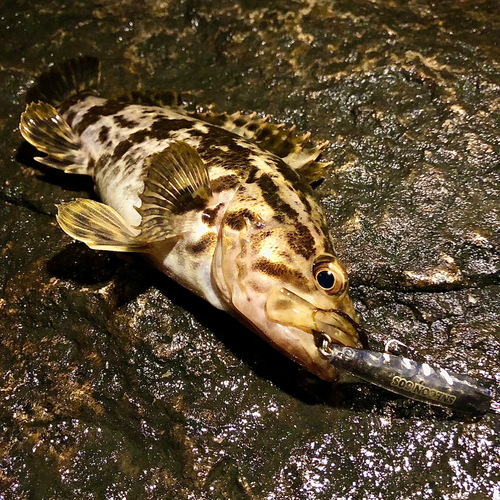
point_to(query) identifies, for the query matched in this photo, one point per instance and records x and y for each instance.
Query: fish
(221, 203)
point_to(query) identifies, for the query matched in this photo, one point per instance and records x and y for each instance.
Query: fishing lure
(420, 381)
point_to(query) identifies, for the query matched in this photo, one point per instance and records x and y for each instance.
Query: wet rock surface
(117, 383)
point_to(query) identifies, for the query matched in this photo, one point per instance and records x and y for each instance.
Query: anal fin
(43, 127)
(99, 226)
(176, 183)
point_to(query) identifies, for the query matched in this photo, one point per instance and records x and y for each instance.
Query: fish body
(220, 203)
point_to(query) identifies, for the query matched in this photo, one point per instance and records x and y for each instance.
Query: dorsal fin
(276, 139)
(167, 98)
(65, 80)
(176, 182)
(304, 162)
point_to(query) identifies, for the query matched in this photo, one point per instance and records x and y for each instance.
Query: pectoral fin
(176, 183)
(99, 226)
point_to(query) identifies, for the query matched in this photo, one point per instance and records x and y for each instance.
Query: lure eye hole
(329, 276)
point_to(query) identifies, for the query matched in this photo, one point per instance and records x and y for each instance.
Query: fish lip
(312, 319)
(345, 338)
(361, 332)
(349, 337)
(344, 315)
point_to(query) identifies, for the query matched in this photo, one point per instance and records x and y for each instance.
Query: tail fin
(43, 127)
(65, 80)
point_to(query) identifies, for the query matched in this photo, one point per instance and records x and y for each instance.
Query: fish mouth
(338, 326)
(286, 307)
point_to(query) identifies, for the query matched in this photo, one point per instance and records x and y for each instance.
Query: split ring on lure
(420, 381)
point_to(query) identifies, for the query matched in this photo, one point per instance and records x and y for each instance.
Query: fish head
(287, 285)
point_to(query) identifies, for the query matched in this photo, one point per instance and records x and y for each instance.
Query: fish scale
(220, 203)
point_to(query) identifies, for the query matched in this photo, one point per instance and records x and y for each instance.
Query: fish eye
(329, 276)
(325, 279)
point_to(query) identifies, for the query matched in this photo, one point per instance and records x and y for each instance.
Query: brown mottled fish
(220, 203)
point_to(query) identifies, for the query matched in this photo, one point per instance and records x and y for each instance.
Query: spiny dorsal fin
(43, 127)
(65, 80)
(314, 171)
(276, 139)
(304, 162)
(176, 182)
(99, 226)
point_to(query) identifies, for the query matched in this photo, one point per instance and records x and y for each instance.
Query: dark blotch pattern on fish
(131, 162)
(209, 216)
(121, 148)
(208, 240)
(237, 220)
(139, 136)
(231, 156)
(225, 182)
(186, 202)
(101, 163)
(252, 175)
(104, 134)
(163, 127)
(264, 134)
(95, 113)
(72, 100)
(91, 165)
(305, 201)
(239, 122)
(70, 117)
(329, 248)
(270, 193)
(295, 180)
(123, 122)
(289, 174)
(282, 271)
(301, 241)
(260, 236)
